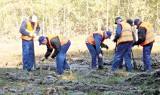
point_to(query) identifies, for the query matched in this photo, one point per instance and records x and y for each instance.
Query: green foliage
(74, 17)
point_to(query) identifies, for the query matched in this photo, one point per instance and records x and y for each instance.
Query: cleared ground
(82, 81)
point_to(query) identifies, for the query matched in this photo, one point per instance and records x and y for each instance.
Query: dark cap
(130, 21)
(118, 18)
(41, 38)
(136, 21)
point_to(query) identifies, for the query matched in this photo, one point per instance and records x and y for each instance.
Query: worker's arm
(141, 35)
(48, 53)
(97, 40)
(134, 37)
(104, 46)
(118, 32)
(57, 46)
(37, 29)
(23, 29)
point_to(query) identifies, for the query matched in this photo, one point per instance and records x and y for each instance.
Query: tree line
(75, 17)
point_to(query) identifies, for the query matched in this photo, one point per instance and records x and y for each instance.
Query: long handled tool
(134, 63)
(114, 52)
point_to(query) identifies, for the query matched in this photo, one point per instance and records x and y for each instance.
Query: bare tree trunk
(128, 9)
(142, 12)
(157, 17)
(52, 23)
(64, 18)
(107, 15)
(87, 16)
(119, 4)
(43, 17)
(98, 23)
(32, 7)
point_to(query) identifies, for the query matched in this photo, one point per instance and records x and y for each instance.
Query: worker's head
(42, 40)
(130, 21)
(118, 20)
(108, 34)
(33, 19)
(137, 22)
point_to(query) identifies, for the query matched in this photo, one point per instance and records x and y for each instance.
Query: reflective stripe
(150, 31)
(149, 37)
(126, 30)
(126, 33)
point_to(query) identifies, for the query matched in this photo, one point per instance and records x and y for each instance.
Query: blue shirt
(118, 31)
(24, 26)
(98, 40)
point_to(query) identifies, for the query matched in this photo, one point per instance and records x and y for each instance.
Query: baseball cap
(130, 21)
(34, 18)
(136, 21)
(118, 18)
(40, 39)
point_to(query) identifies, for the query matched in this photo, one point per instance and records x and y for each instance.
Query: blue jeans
(94, 56)
(146, 56)
(123, 50)
(61, 61)
(28, 57)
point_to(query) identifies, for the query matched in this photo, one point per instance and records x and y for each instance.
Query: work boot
(121, 67)
(100, 67)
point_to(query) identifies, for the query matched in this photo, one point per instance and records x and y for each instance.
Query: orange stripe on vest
(90, 39)
(63, 40)
(126, 33)
(149, 33)
(30, 30)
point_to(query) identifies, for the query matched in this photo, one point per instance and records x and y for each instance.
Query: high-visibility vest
(63, 40)
(126, 33)
(149, 33)
(90, 39)
(30, 30)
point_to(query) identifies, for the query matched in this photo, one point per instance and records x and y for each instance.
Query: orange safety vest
(90, 39)
(149, 33)
(63, 40)
(126, 33)
(30, 30)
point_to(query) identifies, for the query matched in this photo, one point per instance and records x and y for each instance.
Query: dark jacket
(141, 35)
(57, 47)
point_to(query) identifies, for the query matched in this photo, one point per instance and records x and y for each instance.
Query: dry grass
(10, 55)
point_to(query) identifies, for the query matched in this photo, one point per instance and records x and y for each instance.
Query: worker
(93, 43)
(130, 22)
(145, 39)
(124, 41)
(29, 29)
(60, 44)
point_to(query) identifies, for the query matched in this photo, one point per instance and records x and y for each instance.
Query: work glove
(34, 35)
(100, 55)
(135, 43)
(52, 57)
(106, 47)
(43, 58)
(114, 40)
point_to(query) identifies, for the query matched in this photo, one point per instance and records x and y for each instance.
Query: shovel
(134, 63)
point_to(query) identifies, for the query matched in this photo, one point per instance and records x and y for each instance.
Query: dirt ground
(11, 50)
(84, 81)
